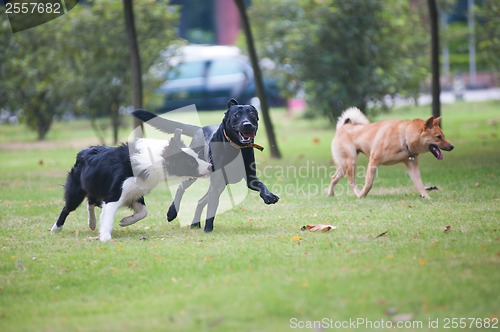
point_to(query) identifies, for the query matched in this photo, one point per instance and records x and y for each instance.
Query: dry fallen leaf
(318, 227)
(296, 239)
(447, 228)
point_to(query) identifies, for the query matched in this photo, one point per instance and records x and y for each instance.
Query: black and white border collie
(112, 177)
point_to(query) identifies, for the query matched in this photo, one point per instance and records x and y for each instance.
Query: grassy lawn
(258, 271)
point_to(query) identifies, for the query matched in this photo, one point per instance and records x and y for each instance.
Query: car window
(187, 70)
(222, 67)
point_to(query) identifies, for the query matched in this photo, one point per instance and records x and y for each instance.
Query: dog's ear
(174, 146)
(437, 121)
(232, 102)
(177, 135)
(429, 124)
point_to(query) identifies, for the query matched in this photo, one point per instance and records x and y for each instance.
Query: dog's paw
(92, 224)
(127, 221)
(105, 237)
(425, 196)
(270, 198)
(56, 229)
(196, 225)
(172, 213)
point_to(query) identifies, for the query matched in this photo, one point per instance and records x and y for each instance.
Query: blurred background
(317, 58)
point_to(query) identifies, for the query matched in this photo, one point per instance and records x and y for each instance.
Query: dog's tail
(352, 115)
(165, 125)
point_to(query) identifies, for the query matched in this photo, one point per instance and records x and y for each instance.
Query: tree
(436, 86)
(33, 76)
(275, 152)
(489, 32)
(135, 58)
(80, 62)
(104, 59)
(346, 53)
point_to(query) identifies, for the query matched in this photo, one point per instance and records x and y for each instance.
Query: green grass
(254, 273)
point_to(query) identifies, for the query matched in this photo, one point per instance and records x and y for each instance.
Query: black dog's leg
(217, 186)
(253, 181)
(199, 209)
(174, 207)
(73, 197)
(62, 219)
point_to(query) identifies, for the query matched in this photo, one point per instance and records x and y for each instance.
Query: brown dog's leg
(339, 174)
(414, 173)
(371, 171)
(351, 175)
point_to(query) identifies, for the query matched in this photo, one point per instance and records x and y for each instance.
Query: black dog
(219, 145)
(112, 177)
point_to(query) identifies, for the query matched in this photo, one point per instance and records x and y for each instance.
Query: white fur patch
(148, 160)
(56, 229)
(354, 115)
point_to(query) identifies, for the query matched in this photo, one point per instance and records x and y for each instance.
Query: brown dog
(385, 143)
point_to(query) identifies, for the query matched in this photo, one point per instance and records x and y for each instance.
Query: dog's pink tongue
(248, 135)
(436, 152)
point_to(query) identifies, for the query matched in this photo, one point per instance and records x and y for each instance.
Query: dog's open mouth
(435, 151)
(246, 137)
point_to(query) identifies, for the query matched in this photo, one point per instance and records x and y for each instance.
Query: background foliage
(346, 53)
(489, 32)
(79, 63)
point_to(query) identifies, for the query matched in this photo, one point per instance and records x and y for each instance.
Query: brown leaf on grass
(297, 239)
(447, 228)
(316, 140)
(318, 227)
(381, 234)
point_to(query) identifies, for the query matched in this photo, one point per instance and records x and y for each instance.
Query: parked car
(208, 76)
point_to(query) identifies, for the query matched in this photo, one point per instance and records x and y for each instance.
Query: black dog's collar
(234, 145)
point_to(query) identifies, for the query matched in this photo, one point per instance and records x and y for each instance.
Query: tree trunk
(135, 58)
(275, 152)
(115, 121)
(436, 85)
(42, 116)
(43, 128)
